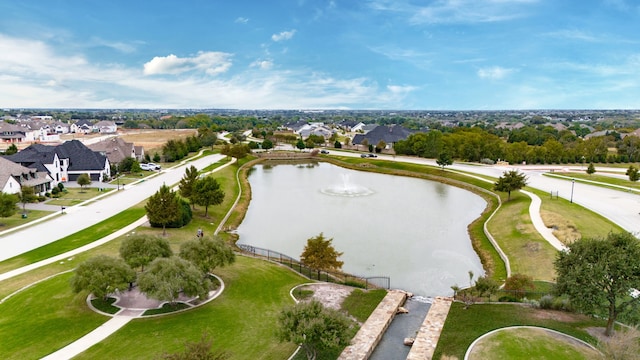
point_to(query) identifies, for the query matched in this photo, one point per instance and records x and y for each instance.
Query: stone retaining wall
(429, 333)
(372, 330)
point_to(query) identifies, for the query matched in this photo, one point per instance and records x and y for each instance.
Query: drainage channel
(391, 346)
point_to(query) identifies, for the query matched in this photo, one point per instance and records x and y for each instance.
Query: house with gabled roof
(116, 149)
(15, 134)
(65, 162)
(83, 160)
(389, 134)
(13, 177)
(82, 126)
(105, 127)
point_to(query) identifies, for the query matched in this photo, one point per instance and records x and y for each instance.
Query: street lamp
(573, 182)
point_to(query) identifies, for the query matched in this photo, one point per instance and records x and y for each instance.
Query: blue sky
(321, 54)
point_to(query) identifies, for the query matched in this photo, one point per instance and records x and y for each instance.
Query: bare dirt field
(152, 140)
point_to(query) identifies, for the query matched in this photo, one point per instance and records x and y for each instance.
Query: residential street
(77, 218)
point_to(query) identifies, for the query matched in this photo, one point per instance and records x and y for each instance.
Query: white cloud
(494, 73)
(241, 20)
(262, 64)
(397, 89)
(117, 45)
(210, 62)
(68, 80)
(285, 35)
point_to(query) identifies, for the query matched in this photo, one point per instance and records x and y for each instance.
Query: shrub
(562, 303)
(546, 302)
(42, 198)
(507, 298)
(54, 191)
(47, 194)
(61, 186)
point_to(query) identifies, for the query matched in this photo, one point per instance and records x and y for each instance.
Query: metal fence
(366, 282)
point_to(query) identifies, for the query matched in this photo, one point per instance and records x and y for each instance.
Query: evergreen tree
(207, 192)
(591, 169)
(163, 207)
(187, 182)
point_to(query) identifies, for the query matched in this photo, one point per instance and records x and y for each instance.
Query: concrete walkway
(92, 338)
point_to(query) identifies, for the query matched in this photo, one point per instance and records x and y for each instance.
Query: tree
(166, 278)
(633, 174)
(163, 207)
(126, 165)
(187, 182)
(300, 144)
(102, 275)
(598, 275)
(27, 195)
(12, 149)
(380, 146)
(207, 192)
(519, 283)
(320, 255)
(314, 327)
(444, 159)
(7, 204)
(591, 169)
(83, 180)
(486, 285)
(337, 144)
(207, 253)
(198, 350)
(140, 250)
(267, 144)
(510, 181)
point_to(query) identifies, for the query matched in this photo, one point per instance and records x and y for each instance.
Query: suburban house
(105, 127)
(83, 160)
(389, 134)
(82, 126)
(14, 176)
(116, 150)
(16, 134)
(64, 162)
(305, 129)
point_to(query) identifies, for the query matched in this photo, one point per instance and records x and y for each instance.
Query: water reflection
(413, 230)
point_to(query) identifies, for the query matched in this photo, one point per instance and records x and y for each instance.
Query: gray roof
(80, 156)
(115, 148)
(9, 169)
(388, 134)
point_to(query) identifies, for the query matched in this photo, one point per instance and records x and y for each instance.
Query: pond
(412, 230)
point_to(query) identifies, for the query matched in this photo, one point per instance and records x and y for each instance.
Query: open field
(152, 140)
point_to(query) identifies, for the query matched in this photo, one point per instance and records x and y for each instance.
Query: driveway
(81, 217)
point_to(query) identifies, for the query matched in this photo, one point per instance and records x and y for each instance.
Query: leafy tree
(486, 285)
(12, 149)
(198, 350)
(83, 180)
(320, 255)
(207, 253)
(140, 250)
(7, 204)
(166, 278)
(444, 159)
(300, 144)
(314, 327)
(163, 208)
(598, 275)
(187, 182)
(156, 157)
(519, 283)
(126, 165)
(380, 146)
(633, 174)
(267, 144)
(206, 192)
(591, 169)
(510, 181)
(102, 275)
(237, 150)
(27, 195)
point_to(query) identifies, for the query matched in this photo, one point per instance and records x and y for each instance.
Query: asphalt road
(77, 218)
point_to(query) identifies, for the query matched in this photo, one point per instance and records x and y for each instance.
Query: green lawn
(17, 219)
(463, 326)
(74, 196)
(530, 343)
(241, 321)
(45, 318)
(604, 179)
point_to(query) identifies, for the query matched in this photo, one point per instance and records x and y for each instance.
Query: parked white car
(149, 166)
